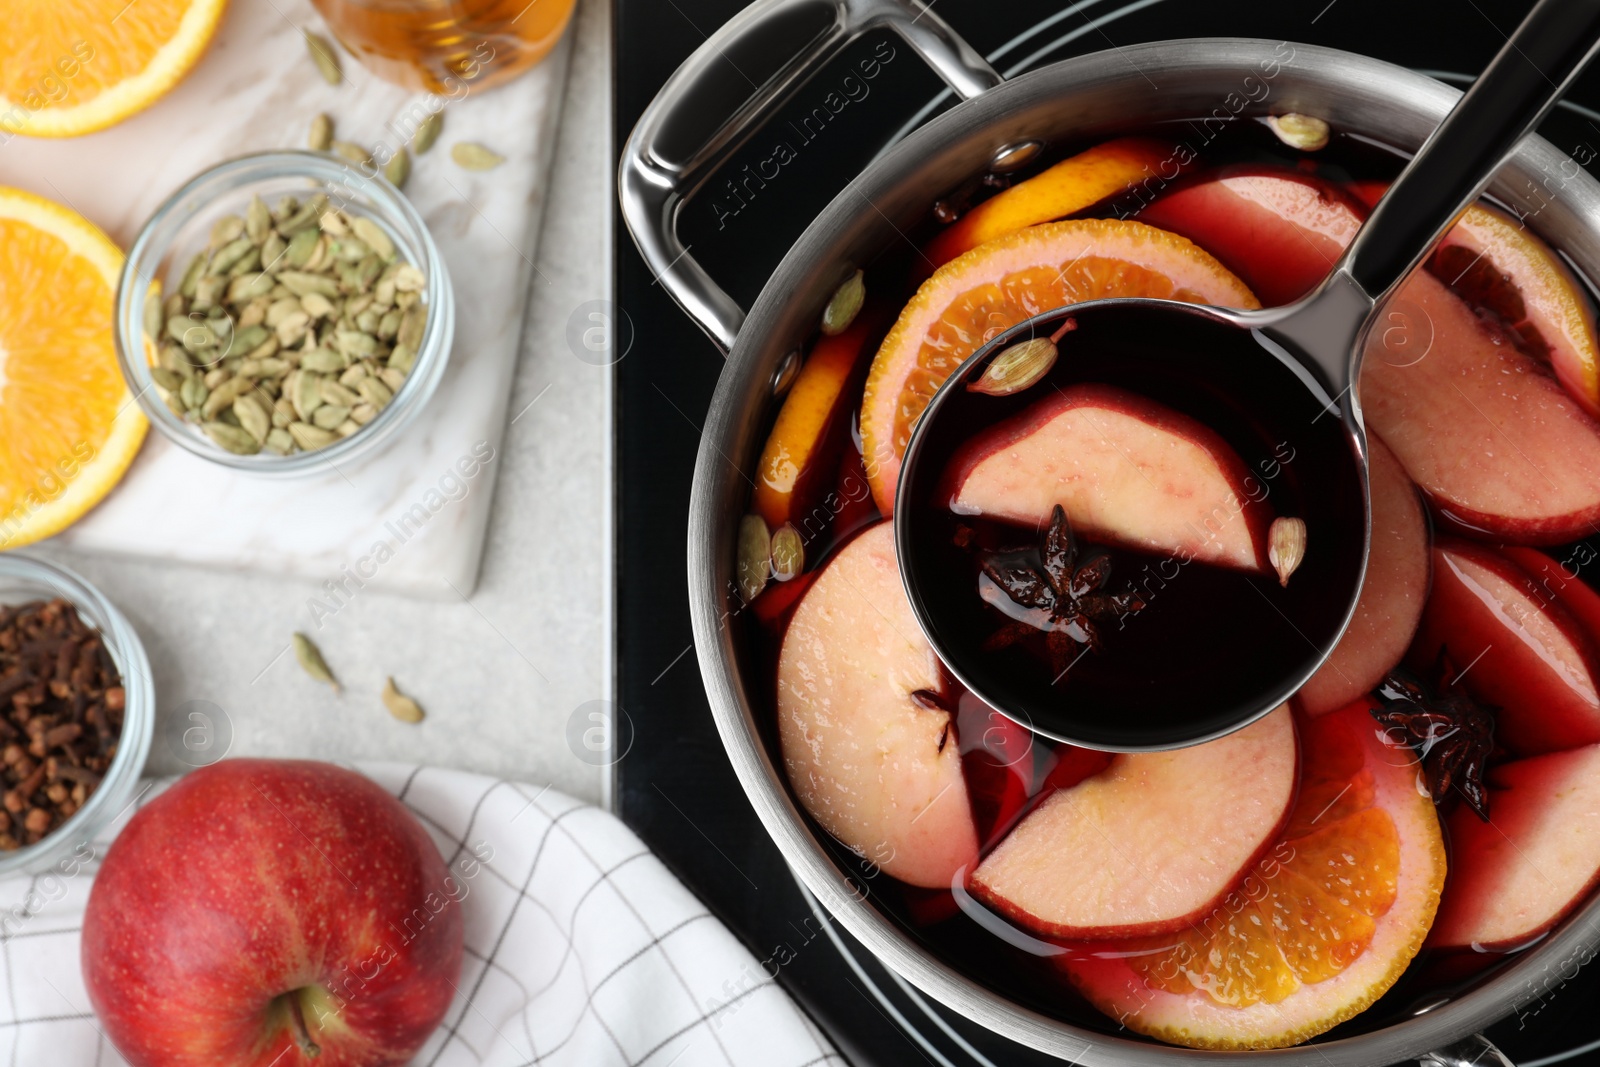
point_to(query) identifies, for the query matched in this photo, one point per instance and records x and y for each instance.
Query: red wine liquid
(1209, 644)
(1007, 775)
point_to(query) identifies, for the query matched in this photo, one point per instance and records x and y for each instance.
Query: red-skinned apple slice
(1529, 658)
(1321, 926)
(1486, 431)
(878, 769)
(1127, 470)
(1280, 232)
(1392, 596)
(1495, 261)
(1516, 876)
(1151, 843)
(1550, 580)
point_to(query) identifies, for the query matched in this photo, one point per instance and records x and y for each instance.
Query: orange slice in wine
(985, 291)
(1322, 926)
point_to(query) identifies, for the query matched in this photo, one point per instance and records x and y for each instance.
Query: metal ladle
(1295, 363)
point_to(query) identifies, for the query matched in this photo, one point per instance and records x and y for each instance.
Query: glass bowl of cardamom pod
(283, 313)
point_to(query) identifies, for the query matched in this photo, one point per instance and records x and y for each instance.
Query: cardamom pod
(226, 230)
(321, 135)
(1286, 546)
(844, 305)
(299, 248)
(309, 437)
(427, 133)
(398, 170)
(788, 553)
(301, 283)
(311, 661)
(229, 254)
(412, 325)
(272, 249)
(193, 393)
(323, 361)
(223, 395)
(329, 416)
(1016, 368)
(1304, 132)
(247, 287)
(191, 276)
(253, 417)
(753, 564)
(352, 153)
(152, 313)
(326, 59)
(317, 306)
(279, 441)
(231, 438)
(257, 220)
(307, 396)
(334, 393)
(402, 358)
(374, 392)
(373, 235)
(469, 155)
(400, 706)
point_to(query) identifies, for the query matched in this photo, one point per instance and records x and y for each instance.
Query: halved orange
(999, 284)
(1064, 189)
(75, 66)
(1320, 928)
(69, 427)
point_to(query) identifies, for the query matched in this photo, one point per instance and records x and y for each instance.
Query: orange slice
(1321, 927)
(997, 285)
(75, 66)
(793, 444)
(1068, 187)
(68, 425)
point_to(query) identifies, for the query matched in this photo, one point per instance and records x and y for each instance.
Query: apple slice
(1127, 470)
(1516, 876)
(1527, 657)
(1495, 263)
(1280, 232)
(1151, 843)
(878, 769)
(1392, 596)
(1550, 580)
(1486, 431)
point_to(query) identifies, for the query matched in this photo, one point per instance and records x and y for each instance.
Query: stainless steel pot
(677, 147)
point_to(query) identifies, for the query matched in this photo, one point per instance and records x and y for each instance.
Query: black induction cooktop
(675, 786)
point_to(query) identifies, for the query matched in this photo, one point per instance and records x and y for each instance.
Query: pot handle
(1472, 1051)
(676, 146)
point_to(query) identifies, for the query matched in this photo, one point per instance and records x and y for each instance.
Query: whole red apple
(280, 912)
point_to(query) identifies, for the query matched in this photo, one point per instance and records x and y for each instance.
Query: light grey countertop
(500, 674)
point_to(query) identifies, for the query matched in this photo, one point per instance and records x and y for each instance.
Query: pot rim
(1539, 970)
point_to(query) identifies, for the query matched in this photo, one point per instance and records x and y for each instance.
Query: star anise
(1063, 592)
(1452, 733)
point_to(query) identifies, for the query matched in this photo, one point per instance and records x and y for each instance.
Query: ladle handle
(1511, 96)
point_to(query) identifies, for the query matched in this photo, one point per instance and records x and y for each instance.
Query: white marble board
(255, 90)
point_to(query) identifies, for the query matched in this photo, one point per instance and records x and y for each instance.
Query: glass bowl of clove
(77, 715)
(283, 313)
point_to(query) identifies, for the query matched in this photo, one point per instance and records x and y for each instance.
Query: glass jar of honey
(447, 46)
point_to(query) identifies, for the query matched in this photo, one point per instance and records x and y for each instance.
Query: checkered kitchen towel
(581, 948)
